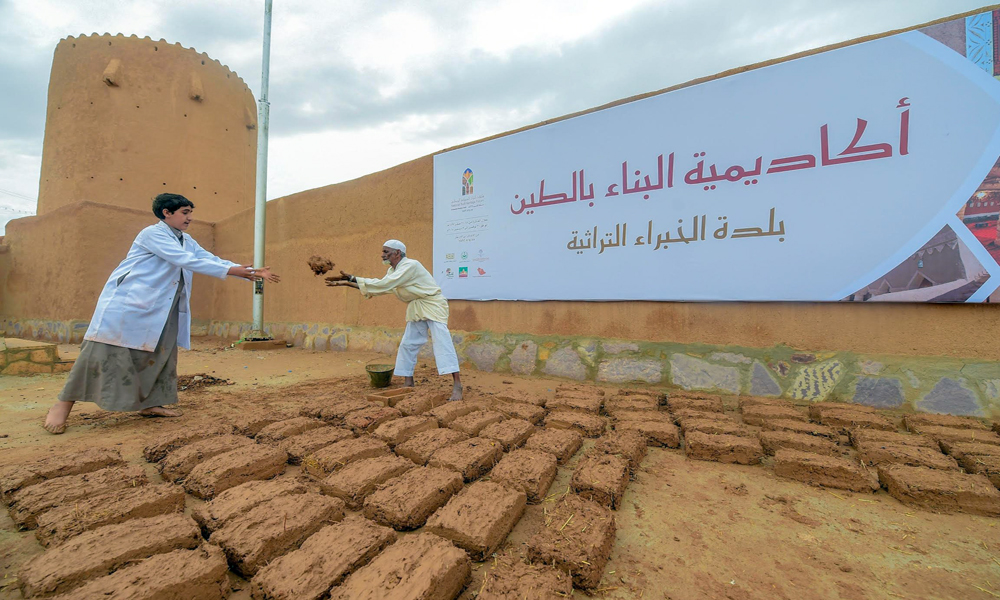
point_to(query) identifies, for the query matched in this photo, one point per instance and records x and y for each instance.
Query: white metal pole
(263, 115)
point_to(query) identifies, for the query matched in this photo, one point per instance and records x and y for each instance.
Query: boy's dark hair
(171, 202)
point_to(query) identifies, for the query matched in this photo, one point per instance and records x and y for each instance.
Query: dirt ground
(686, 529)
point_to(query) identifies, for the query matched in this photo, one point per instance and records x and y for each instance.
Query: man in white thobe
(426, 312)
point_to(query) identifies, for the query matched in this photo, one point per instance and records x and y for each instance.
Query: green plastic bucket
(380, 375)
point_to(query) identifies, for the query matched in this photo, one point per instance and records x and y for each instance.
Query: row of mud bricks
(394, 495)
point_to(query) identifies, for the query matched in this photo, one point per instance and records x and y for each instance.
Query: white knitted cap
(395, 245)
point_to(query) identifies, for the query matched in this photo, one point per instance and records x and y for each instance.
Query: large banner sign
(866, 173)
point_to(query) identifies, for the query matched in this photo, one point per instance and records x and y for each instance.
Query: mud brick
(747, 401)
(959, 450)
(569, 388)
(300, 446)
(849, 418)
(512, 433)
(238, 500)
(472, 423)
(521, 397)
(587, 424)
(272, 528)
(757, 415)
(719, 427)
(601, 478)
(619, 403)
(473, 457)
(199, 574)
(78, 462)
(996, 426)
(118, 506)
(723, 448)
(659, 416)
(875, 454)
(323, 561)
(338, 411)
(515, 410)
(586, 403)
(861, 436)
(421, 566)
(446, 413)
(176, 466)
(657, 433)
(530, 471)
(824, 471)
(576, 538)
(418, 404)
(983, 464)
(953, 421)
(702, 404)
(561, 443)
(335, 456)
(943, 435)
(99, 552)
(224, 471)
(772, 441)
(30, 503)
(688, 414)
(629, 444)
(658, 396)
(252, 423)
(405, 502)
(803, 427)
(397, 431)
(356, 481)
(420, 447)
(944, 491)
(818, 409)
(510, 578)
(367, 420)
(478, 518)
(275, 432)
(166, 443)
(389, 397)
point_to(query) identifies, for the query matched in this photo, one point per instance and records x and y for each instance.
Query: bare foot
(456, 393)
(159, 411)
(55, 420)
(408, 382)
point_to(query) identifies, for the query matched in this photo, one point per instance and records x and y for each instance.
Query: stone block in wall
(816, 381)
(619, 347)
(484, 355)
(991, 388)
(360, 341)
(762, 383)
(691, 373)
(880, 392)
(951, 397)
(524, 357)
(730, 357)
(565, 362)
(338, 342)
(624, 370)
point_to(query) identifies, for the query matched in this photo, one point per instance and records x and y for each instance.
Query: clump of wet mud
(320, 265)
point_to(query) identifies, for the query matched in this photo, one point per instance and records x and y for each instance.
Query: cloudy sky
(360, 85)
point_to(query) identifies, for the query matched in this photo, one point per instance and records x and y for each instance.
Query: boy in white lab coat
(128, 360)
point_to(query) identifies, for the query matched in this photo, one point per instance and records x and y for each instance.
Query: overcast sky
(361, 85)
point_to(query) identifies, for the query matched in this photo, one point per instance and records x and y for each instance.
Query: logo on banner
(449, 256)
(449, 273)
(463, 271)
(465, 256)
(467, 182)
(481, 271)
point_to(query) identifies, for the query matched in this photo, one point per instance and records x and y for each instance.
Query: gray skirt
(122, 379)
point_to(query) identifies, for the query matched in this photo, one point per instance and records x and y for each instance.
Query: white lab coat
(136, 300)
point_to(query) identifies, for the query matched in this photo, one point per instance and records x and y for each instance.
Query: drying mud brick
(166, 443)
(757, 415)
(723, 448)
(803, 427)
(322, 562)
(78, 462)
(238, 500)
(983, 464)
(719, 427)
(629, 444)
(335, 456)
(367, 420)
(748, 401)
(473, 457)
(514, 410)
(472, 423)
(655, 395)
(643, 415)
(250, 424)
(586, 403)
(224, 471)
(199, 574)
(944, 435)
(772, 441)
(818, 409)
(961, 449)
(693, 394)
(682, 416)
(662, 434)
(824, 471)
(300, 446)
(101, 551)
(337, 411)
(617, 404)
(389, 397)
(587, 424)
(420, 447)
(569, 388)
(953, 421)
(849, 418)
(875, 454)
(397, 431)
(30, 503)
(478, 518)
(275, 432)
(521, 397)
(511, 579)
(405, 502)
(601, 478)
(530, 471)
(703, 404)
(353, 483)
(945, 491)
(418, 404)
(512, 433)
(418, 567)
(319, 265)
(119, 506)
(272, 528)
(862, 436)
(446, 413)
(576, 538)
(176, 466)
(561, 443)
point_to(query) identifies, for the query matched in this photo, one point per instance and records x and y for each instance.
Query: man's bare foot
(408, 382)
(159, 411)
(456, 393)
(55, 420)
